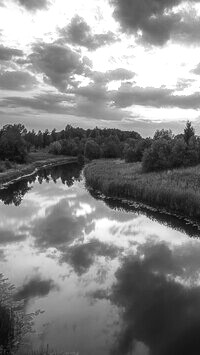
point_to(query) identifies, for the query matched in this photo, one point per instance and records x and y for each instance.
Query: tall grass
(14, 322)
(176, 191)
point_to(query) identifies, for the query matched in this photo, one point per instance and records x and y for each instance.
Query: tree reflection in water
(192, 228)
(14, 193)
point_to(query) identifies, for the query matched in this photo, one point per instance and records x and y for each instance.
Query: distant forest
(164, 151)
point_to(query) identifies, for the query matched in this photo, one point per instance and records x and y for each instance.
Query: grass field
(176, 191)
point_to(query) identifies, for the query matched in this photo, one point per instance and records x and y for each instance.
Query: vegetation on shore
(163, 151)
(37, 161)
(14, 322)
(177, 191)
(140, 178)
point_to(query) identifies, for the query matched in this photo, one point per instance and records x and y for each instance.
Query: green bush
(158, 156)
(92, 150)
(55, 148)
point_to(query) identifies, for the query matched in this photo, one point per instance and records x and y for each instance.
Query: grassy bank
(177, 191)
(36, 161)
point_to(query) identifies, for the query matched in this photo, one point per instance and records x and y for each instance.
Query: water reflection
(14, 193)
(191, 228)
(58, 226)
(35, 287)
(82, 256)
(111, 278)
(159, 312)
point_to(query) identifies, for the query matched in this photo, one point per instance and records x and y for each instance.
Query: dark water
(108, 278)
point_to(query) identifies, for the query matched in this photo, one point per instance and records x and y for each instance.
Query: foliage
(14, 323)
(69, 147)
(6, 165)
(55, 148)
(111, 148)
(163, 134)
(92, 149)
(12, 143)
(135, 153)
(80, 159)
(188, 132)
(165, 151)
(169, 152)
(157, 157)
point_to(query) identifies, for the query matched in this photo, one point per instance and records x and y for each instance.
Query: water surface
(107, 277)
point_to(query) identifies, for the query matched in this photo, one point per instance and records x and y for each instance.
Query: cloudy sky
(130, 64)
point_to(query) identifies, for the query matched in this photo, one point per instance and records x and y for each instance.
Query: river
(107, 277)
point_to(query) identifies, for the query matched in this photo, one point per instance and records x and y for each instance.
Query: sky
(127, 64)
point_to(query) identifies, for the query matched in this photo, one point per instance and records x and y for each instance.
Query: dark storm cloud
(35, 287)
(17, 80)
(157, 310)
(127, 95)
(156, 20)
(78, 32)
(82, 256)
(33, 5)
(58, 63)
(7, 53)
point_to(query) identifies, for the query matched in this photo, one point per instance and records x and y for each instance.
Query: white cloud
(95, 64)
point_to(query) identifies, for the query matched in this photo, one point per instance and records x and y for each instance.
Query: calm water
(108, 278)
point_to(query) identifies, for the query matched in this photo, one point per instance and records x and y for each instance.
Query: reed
(177, 191)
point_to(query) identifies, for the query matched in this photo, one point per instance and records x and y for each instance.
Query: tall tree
(189, 132)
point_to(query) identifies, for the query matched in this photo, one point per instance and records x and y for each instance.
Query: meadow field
(177, 191)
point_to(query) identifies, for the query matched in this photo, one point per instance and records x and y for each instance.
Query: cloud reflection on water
(159, 299)
(143, 275)
(35, 287)
(82, 256)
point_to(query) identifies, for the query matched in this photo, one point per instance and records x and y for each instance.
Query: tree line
(164, 151)
(16, 142)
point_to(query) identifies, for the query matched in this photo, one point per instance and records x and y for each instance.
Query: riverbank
(176, 191)
(37, 162)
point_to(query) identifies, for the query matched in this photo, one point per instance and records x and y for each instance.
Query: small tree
(55, 148)
(189, 132)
